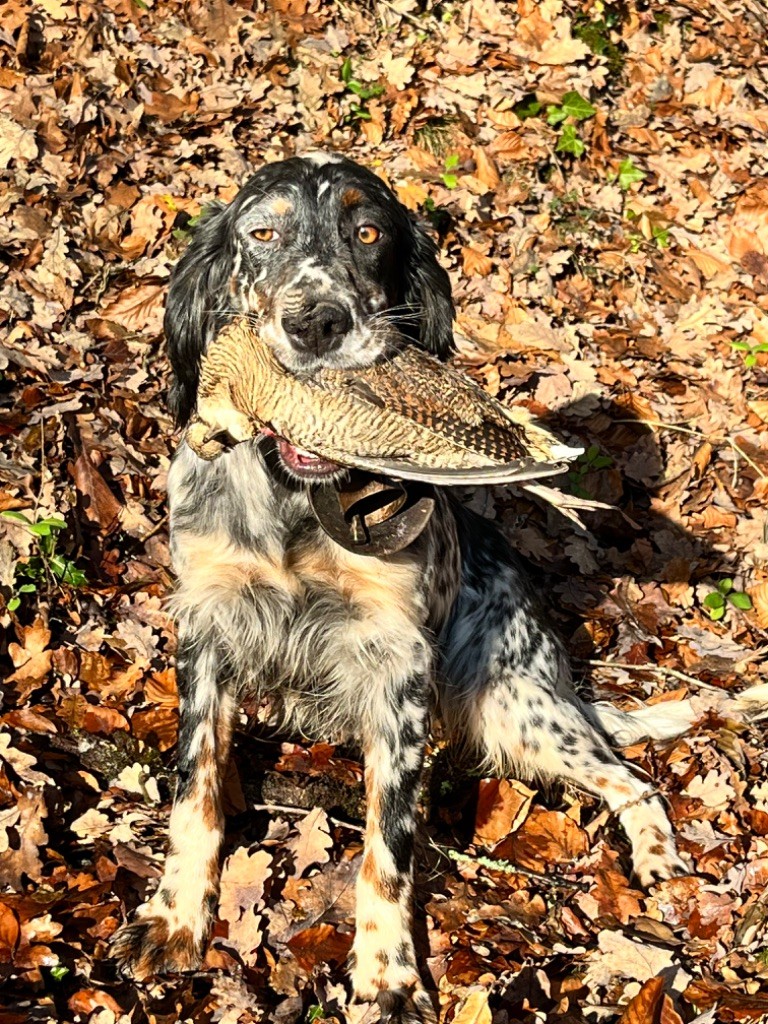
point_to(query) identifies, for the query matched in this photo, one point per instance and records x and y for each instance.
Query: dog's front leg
(385, 968)
(169, 933)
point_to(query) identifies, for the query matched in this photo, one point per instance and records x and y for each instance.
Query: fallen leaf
(475, 263)
(321, 944)
(645, 1007)
(313, 842)
(138, 308)
(502, 806)
(546, 838)
(99, 503)
(19, 854)
(9, 933)
(474, 1009)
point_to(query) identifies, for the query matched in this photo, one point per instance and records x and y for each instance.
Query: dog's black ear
(195, 310)
(428, 288)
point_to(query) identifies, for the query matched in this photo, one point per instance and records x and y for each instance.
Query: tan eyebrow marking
(281, 205)
(351, 197)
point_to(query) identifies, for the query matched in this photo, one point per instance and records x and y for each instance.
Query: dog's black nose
(318, 328)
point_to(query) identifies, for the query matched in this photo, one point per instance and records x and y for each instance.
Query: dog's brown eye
(264, 234)
(368, 234)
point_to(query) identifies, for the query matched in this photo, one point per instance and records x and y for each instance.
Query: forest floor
(596, 174)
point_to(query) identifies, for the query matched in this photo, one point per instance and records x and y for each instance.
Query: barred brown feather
(410, 416)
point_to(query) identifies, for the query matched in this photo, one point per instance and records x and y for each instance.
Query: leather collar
(372, 515)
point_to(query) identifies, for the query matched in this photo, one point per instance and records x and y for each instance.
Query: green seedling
(569, 141)
(358, 111)
(572, 105)
(589, 461)
(575, 107)
(717, 602)
(660, 235)
(47, 563)
(449, 179)
(528, 106)
(751, 352)
(627, 174)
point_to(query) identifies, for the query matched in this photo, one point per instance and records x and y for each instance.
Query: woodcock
(409, 417)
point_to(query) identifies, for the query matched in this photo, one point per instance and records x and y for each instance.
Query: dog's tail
(673, 718)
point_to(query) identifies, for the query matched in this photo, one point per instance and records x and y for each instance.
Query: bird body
(410, 416)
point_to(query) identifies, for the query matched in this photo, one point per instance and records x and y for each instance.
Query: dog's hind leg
(508, 693)
(169, 933)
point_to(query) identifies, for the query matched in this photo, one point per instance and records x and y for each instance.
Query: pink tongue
(292, 456)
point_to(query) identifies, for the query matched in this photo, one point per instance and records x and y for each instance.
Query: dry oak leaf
(645, 1007)
(136, 778)
(138, 308)
(713, 789)
(242, 889)
(620, 957)
(79, 713)
(614, 896)
(21, 763)
(502, 806)
(99, 503)
(242, 881)
(546, 838)
(475, 264)
(411, 194)
(313, 842)
(21, 857)
(397, 70)
(9, 934)
(321, 944)
(474, 1009)
(16, 143)
(31, 658)
(92, 824)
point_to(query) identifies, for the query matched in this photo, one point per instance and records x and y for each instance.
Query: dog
(322, 257)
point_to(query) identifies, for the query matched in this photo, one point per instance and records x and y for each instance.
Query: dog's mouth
(304, 464)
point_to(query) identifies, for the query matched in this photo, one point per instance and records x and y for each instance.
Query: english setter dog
(322, 256)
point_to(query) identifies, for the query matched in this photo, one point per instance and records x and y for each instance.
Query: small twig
(713, 439)
(155, 529)
(659, 670)
(304, 811)
(39, 495)
(512, 869)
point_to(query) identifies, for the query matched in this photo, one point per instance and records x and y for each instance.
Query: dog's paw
(147, 946)
(406, 1006)
(655, 858)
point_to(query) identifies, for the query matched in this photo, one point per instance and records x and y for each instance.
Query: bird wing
(421, 391)
(404, 469)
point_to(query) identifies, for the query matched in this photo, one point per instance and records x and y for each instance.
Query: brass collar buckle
(373, 515)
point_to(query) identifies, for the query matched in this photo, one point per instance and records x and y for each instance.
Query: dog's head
(327, 262)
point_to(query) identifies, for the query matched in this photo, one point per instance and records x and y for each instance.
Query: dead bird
(409, 417)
